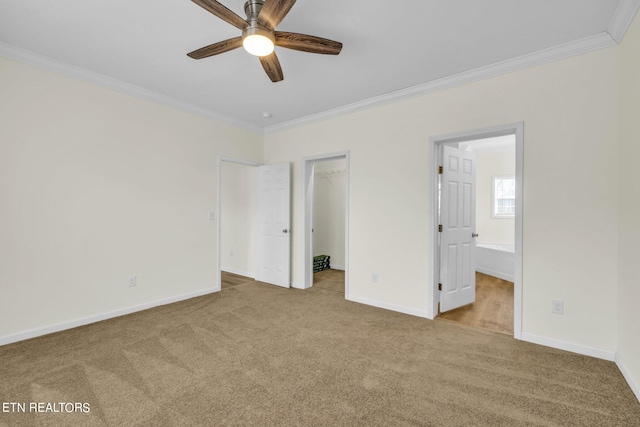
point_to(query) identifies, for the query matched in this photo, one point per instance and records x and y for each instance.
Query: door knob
(285, 231)
(474, 234)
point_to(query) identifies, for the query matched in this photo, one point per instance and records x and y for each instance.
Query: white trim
(297, 285)
(635, 387)
(620, 22)
(219, 207)
(498, 274)
(239, 161)
(329, 156)
(62, 326)
(432, 219)
(519, 226)
(433, 255)
(331, 172)
(98, 79)
(387, 306)
(566, 346)
(308, 182)
(578, 47)
(239, 273)
(622, 18)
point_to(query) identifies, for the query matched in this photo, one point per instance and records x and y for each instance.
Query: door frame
(239, 161)
(433, 258)
(307, 216)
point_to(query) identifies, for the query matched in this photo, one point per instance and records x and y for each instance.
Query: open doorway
(271, 243)
(494, 257)
(328, 218)
(326, 225)
(477, 228)
(236, 221)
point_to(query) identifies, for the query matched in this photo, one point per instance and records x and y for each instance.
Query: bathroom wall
(491, 163)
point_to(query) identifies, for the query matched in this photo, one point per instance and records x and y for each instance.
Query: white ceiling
(141, 46)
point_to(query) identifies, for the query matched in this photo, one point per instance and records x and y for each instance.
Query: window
(504, 197)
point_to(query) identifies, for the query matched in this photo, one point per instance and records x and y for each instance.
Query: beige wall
(97, 186)
(570, 112)
(629, 206)
(238, 218)
(488, 165)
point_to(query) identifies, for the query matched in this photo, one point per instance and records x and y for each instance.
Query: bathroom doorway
(491, 216)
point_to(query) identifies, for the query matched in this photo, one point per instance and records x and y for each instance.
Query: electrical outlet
(374, 277)
(133, 281)
(231, 254)
(212, 216)
(557, 307)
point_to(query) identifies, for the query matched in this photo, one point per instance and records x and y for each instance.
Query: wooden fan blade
(307, 43)
(272, 67)
(222, 12)
(274, 11)
(216, 48)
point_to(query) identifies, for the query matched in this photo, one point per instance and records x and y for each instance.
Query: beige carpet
(256, 354)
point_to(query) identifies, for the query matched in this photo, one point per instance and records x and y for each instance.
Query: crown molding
(620, 22)
(622, 18)
(578, 47)
(98, 79)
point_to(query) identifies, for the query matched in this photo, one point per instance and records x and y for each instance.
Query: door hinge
(440, 228)
(439, 170)
(439, 286)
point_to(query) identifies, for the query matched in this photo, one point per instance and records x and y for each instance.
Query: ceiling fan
(259, 36)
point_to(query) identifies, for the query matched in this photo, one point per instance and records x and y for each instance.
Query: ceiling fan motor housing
(252, 8)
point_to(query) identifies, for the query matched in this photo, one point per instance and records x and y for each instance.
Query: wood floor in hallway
(493, 308)
(230, 280)
(327, 279)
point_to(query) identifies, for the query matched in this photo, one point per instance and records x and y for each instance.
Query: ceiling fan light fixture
(258, 41)
(259, 35)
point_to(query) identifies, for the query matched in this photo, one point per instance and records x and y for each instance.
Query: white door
(458, 222)
(274, 244)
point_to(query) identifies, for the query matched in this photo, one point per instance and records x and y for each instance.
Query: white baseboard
(387, 306)
(337, 267)
(297, 285)
(62, 326)
(574, 348)
(635, 387)
(239, 273)
(498, 274)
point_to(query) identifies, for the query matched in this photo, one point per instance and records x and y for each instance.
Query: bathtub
(496, 259)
